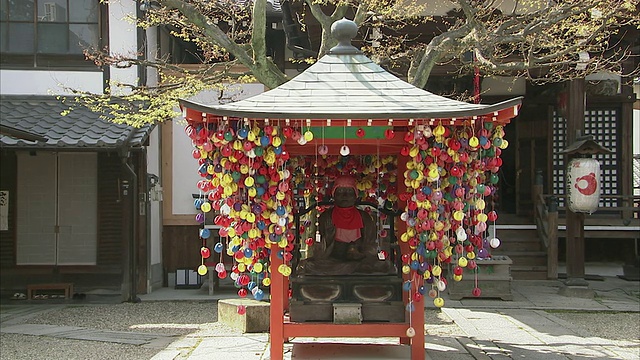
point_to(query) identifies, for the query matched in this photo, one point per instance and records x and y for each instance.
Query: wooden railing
(546, 212)
(627, 211)
(545, 215)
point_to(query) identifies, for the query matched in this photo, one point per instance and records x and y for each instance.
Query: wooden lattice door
(602, 124)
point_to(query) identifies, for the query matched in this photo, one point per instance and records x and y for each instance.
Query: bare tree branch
(539, 40)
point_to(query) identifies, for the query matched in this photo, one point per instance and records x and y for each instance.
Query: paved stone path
(532, 334)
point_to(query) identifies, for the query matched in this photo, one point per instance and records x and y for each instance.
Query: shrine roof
(345, 84)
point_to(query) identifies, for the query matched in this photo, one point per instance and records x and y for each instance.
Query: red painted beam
(346, 330)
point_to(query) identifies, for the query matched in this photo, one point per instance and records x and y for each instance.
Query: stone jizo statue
(348, 238)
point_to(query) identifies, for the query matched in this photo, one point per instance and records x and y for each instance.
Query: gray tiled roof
(346, 86)
(81, 129)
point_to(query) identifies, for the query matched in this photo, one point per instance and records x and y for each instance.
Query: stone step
(517, 234)
(528, 258)
(509, 245)
(527, 272)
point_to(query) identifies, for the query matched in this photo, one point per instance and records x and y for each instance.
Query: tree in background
(541, 40)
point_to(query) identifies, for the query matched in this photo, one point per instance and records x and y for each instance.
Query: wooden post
(626, 143)
(552, 248)
(575, 222)
(536, 192)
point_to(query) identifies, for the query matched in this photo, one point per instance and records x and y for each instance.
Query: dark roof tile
(81, 128)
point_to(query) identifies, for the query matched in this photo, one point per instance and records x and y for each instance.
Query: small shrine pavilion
(265, 158)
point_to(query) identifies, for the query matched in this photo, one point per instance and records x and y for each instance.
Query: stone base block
(496, 289)
(255, 319)
(347, 288)
(494, 280)
(315, 297)
(631, 273)
(301, 311)
(577, 291)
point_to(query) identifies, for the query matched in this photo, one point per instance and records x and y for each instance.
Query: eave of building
(80, 130)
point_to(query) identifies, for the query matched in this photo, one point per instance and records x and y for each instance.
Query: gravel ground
(26, 347)
(165, 318)
(613, 326)
(159, 317)
(185, 317)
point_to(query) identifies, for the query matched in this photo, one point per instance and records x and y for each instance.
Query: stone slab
(233, 347)
(38, 329)
(255, 319)
(577, 291)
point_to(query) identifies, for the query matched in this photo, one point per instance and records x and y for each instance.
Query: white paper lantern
(583, 185)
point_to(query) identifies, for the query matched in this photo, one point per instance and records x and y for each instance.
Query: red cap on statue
(345, 181)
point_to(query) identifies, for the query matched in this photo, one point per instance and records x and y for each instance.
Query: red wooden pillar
(278, 299)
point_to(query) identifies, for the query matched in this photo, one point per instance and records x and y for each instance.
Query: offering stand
(447, 156)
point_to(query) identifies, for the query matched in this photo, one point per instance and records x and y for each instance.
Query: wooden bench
(67, 287)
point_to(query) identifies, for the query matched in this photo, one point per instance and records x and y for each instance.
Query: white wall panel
(36, 218)
(77, 208)
(43, 82)
(185, 167)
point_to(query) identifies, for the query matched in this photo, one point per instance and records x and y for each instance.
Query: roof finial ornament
(344, 30)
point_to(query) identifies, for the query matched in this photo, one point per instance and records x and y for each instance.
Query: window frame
(52, 61)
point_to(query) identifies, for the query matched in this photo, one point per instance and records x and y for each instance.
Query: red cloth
(347, 218)
(348, 223)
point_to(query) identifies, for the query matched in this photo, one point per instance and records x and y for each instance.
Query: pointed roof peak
(344, 30)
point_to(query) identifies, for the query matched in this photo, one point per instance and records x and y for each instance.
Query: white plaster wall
(153, 167)
(123, 39)
(43, 82)
(185, 167)
(185, 171)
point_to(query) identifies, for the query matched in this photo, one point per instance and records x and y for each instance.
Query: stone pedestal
(631, 272)
(255, 319)
(577, 291)
(313, 297)
(494, 280)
